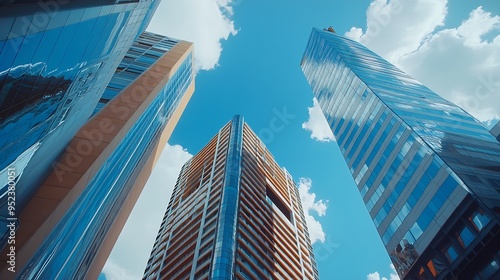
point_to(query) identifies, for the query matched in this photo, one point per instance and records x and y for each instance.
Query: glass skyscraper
(56, 59)
(233, 214)
(428, 172)
(71, 223)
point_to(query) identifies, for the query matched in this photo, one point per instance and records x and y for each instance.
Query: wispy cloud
(376, 276)
(459, 63)
(317, 124)
(131, 251)
(312, 206)
(204, 22)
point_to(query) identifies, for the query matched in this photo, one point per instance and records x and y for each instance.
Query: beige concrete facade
(85, 155)
(271, 240)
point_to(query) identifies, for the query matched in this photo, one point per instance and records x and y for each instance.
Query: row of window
(115, 173)
(456, 244)
(138, 59)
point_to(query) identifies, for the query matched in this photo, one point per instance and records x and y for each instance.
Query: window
(480, 220)
(451, 253)
(273, 199)
(465, 237)
(432, 268)
(425, 218)
(416, 231)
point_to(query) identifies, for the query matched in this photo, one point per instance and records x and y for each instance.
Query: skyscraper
(56, 59)
(233, 214)
(70, 225)
(428, 172)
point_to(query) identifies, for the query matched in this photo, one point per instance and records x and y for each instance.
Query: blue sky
(249, 52)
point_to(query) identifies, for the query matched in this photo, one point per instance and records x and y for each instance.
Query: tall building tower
(56, 59)
(428, 172)
(70, 225)
(233, 214)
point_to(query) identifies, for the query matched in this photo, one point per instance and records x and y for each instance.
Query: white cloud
(113, 271)
(131, 251)
(317, 124)
(459, 63)
(310, 205)
(461, 67)
(376, 276)
(397, 27)
(478, 24)
(373, 276)
(203, 22)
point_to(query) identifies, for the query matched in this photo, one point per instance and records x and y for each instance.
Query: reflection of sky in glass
(61, 254)
(390, 174)
(18, 164)
(55, 73)
(27, 127)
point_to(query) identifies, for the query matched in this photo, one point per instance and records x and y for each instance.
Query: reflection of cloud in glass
(404, 106)
(18, 71)
(25, 128)
(32, 106)
(318, 81)
(18, 164)
(28, 90)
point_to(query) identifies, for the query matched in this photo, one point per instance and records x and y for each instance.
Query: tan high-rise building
(68, 228)
(233, 214)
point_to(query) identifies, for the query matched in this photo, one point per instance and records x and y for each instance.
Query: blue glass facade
(418, 159)
(56, 59)
(69, 249)
(145, 50)
(225, 242)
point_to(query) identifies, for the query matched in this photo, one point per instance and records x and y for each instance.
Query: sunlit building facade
(428, 172)
(71, 223)
(233, 214)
